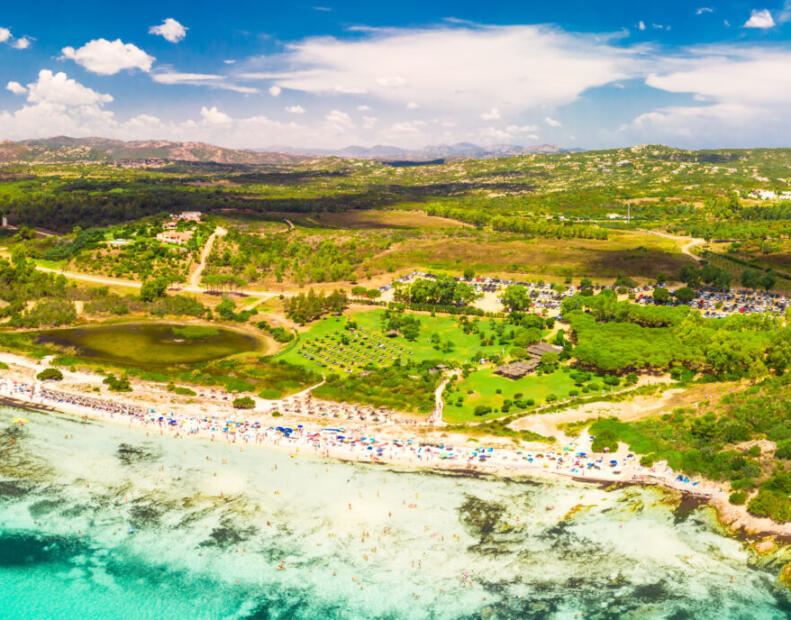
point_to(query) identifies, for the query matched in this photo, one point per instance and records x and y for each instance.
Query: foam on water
(101, 521)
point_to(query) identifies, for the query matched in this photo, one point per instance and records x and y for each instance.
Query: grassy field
(491, 390)
(443, 329)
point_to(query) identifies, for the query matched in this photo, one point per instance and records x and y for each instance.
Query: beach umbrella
(20, 421)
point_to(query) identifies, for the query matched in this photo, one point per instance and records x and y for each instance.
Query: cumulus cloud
(295, 109)
(552, 122)
(641, 25)
(16, 88)
(369, 122)
(704, 9)
(22, 43)
(363, 108)
(275, 91)
(412, 105)
(213, 116)
(760, 19)
(339, 120)
(5, 34)
(109, 57)
(170, 30)
(56, 104)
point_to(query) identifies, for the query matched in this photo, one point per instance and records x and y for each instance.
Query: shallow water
(110, 523)
(149, 344)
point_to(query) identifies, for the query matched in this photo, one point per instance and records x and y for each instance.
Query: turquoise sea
(99, 521)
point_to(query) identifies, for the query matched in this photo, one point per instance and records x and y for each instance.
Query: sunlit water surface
(100, 521)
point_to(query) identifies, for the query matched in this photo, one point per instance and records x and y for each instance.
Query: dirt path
(194, 279)
(89, 278)
(688, 242)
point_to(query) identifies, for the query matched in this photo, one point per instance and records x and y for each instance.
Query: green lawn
(446, 329)
(484, 385)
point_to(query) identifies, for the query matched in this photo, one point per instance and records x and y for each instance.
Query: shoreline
(356, 445)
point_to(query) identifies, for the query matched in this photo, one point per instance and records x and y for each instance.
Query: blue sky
(331, 74)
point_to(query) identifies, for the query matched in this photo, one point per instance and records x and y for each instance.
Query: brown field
(359, 219)
(628, 254)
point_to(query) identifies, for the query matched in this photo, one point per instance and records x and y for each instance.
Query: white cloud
(516, 129)
(412, 105)
(406, 127)
(391, 82)
(491, 115)
(363, 108)
(339, 120)
(22, 43)
(295, 109)
(170, 30)
(275, 91)
(552, 122)
(704, 9)
(5, 34)
(16, 88)
(369, 122)
(211, 80)
(785, 14)
(452, 68)
(641, 25)
(213, 116)
(757, 75)
(58, 88)
(57, 105)
(229, 61)
(760, 19)
(109, 57)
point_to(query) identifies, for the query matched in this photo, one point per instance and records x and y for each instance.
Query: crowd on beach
(357, 443)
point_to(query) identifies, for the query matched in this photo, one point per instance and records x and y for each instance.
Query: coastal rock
(766, 545)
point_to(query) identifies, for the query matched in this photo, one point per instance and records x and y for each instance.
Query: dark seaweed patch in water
(24, 549)
(480, 517)
(14, 489)
(131, 455)
(144, 513)
(228, 534)
(688, 505)
(44, 507)
(293, 603)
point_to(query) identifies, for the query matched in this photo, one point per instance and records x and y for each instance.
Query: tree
(685, 294)
(153, 289)
(768, 280)
(515, 298)
(661, 278)
(469, 274)
(751, 278)
(661, 295)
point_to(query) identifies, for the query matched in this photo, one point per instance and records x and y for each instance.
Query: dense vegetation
(719, 442)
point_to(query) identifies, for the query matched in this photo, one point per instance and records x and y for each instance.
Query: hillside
(63, 149)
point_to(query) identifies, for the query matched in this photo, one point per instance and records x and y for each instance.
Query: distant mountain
(65, 149)
(460, 150)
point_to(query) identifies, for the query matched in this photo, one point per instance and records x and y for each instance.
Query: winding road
(688, 242)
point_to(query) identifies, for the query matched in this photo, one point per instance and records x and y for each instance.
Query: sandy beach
(302, 425)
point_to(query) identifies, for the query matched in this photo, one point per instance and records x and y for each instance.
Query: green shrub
(244, 402)
(50, 374)
(738, 498)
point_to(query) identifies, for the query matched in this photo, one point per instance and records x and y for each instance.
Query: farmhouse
(174, 237)
(517, 370)
(187, 216)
